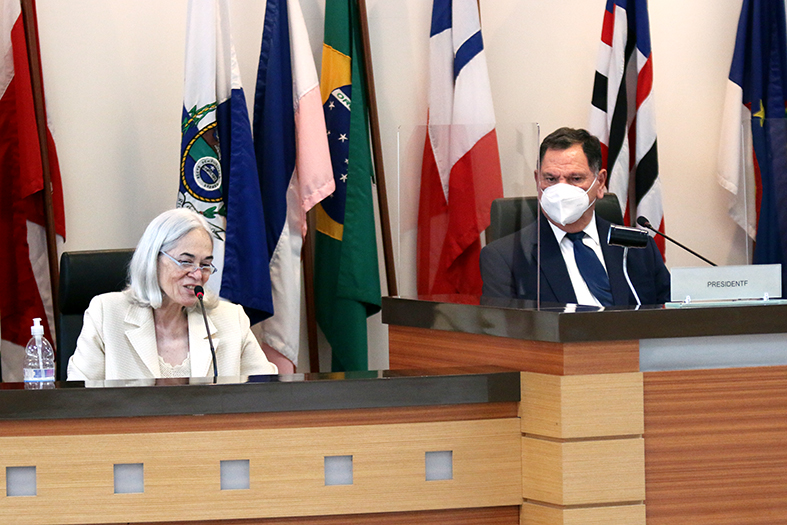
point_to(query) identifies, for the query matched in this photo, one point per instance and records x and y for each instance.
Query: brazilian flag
(346, 275)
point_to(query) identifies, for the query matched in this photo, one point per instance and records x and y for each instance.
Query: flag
(756, 99)
(293, 160)
(24, 264)
(460, 175)
(218, 172)
(622, 113)
(346, 274)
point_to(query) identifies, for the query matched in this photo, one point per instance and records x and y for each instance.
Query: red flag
(460, 176)
(24, 272)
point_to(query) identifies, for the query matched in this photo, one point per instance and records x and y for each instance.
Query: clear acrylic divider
(752, 167)
(517, 209)
(434, 278)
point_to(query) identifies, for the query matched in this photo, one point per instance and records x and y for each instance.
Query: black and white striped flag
(622, 114)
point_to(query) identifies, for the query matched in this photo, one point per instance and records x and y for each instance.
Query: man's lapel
(553, 268)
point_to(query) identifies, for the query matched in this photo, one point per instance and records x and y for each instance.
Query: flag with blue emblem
(218, 172)
(346, 274)
(756, 99)
(292, 159)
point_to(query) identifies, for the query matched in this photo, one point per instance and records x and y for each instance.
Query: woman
(154, 328)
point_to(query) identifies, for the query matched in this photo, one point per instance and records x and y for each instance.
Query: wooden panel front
(182, 472)
(426, 348)
(716, 446)
(258, 420)
(581, 406)
(583, 472)
(600, 357)
(483, 516)
(535, 514)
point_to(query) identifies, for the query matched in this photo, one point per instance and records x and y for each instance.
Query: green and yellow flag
(346, 275)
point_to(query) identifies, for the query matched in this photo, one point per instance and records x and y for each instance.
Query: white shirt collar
(583, 294)
(590, 230)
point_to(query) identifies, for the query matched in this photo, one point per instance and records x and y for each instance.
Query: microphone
(645, 223)
(200, 292)
(627, 237)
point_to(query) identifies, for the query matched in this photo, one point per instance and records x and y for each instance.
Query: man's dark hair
(564, 138)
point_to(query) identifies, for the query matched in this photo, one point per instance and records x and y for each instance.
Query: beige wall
(114, 81)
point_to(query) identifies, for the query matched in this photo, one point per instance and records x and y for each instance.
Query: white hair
(162, 233)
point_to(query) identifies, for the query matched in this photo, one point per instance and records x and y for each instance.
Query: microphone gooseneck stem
(626, 275)
(647, 225)
(207, 330)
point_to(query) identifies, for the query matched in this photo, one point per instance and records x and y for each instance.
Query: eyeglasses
(190, 266)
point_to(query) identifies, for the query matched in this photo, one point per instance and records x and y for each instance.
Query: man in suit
(577, 264)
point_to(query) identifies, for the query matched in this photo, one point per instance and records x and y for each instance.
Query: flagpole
(34, 60)
(307, 260)
(374, 124)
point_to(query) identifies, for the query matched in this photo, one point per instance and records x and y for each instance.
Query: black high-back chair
(83, 275)
(510, 214)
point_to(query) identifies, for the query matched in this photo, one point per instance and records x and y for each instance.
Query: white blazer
(118, 341)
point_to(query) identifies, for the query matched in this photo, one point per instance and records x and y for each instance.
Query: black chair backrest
(83, 275)
(514, 213)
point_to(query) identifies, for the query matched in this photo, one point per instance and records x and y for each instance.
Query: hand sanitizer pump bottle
(39, 359)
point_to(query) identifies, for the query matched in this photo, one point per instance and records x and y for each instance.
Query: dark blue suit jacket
(508, 268)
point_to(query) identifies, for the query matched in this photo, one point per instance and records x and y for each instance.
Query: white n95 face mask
(564, 203)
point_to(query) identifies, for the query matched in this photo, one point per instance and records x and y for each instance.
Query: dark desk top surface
(284, 393)
(522, 320)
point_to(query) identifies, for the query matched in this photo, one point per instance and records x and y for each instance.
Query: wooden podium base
(581, 410)
(428, 448)
(604, 443)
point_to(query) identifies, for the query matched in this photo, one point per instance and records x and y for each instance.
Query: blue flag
(218, 175)
(293, 160)
(274, 118)
(759, 71)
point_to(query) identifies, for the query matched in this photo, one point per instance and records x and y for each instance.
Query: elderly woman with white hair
(154, 328)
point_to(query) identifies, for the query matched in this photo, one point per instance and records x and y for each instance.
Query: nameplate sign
(755, 281)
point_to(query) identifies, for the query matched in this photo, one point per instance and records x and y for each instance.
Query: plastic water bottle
(39, 359)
